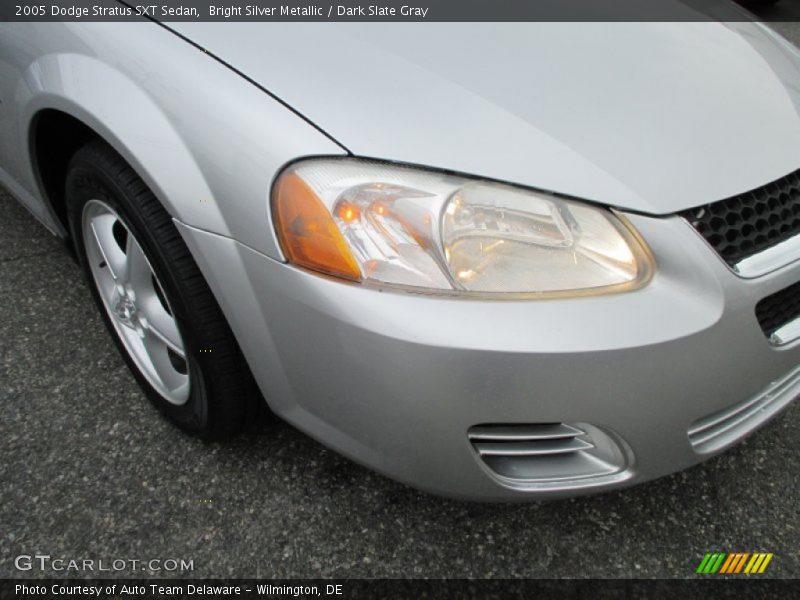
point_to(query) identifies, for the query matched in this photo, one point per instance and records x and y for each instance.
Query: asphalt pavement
(89, 470)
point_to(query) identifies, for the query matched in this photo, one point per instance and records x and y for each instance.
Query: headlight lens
(424, 230)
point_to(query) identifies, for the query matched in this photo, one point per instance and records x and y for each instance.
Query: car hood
(652, 117)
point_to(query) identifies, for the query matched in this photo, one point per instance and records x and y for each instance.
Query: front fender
(207, 141)
(120, 112)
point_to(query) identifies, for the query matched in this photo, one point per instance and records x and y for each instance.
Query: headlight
(390, 225)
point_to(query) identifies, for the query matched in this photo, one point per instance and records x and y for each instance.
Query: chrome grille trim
(769, 260)
(756, 231)
(779, 315)
(786, 334)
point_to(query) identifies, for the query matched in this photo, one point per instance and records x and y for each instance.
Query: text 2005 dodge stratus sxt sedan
(492, 261)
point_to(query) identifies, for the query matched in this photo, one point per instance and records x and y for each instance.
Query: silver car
(493, 261)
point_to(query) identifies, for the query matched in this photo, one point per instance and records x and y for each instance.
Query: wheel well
(55, 137)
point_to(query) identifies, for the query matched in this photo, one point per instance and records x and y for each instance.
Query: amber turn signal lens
(307, 233)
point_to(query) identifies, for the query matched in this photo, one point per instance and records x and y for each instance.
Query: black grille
(749, 223)
(775, 311)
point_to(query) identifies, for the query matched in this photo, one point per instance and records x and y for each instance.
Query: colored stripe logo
(734, 562)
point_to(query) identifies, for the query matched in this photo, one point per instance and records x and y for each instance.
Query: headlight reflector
(424, 230)
(502, 239)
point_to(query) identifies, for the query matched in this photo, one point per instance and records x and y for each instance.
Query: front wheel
(153, 298)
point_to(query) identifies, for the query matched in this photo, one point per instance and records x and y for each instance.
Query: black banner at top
(390, 10)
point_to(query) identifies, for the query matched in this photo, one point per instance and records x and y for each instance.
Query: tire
(209, 390)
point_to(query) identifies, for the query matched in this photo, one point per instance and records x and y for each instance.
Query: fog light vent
(548, 454)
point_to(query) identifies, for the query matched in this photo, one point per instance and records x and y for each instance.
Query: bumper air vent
(719, 430)
(779, 315)
(547, 455)
(752, 231)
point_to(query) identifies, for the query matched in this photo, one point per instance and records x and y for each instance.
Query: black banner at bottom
(345, 589)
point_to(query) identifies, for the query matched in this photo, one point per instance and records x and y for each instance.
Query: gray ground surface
(89, 470)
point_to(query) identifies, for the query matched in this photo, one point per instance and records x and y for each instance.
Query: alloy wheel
(135, 301)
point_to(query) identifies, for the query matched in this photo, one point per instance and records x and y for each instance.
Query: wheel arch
(97, 102)
(53, 139)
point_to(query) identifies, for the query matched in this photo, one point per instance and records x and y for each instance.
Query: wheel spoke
(138, 274)
(171, 379)
(182, 389)
(107, 246)
(158, 323)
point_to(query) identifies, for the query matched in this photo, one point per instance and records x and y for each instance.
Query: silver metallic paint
(206, 141)
(651, 117)
(395, 380)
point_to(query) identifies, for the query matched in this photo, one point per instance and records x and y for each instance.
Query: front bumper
(395, 381)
